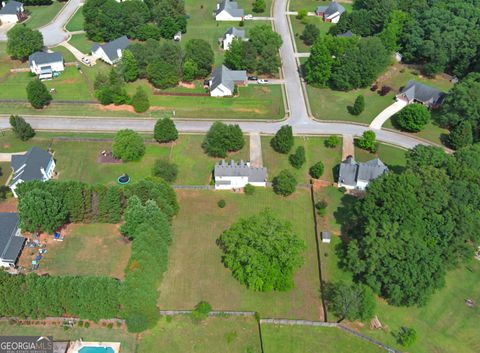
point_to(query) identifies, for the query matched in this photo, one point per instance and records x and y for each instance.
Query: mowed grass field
(214, 335)
(127, 340)
(304, 339)
(315, 151)
(298, 27)
(43, 15)
(88, 249)
(393, 157)
(81, 42)
(195, 271)
(311, 5)
(76, 22)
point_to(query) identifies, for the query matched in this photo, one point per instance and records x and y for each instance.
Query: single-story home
(110, 52)
(228, 11)
(36, 164)
(356, 175)
(330, 13)
(12, 12)
(416, 92)
(223, 81)
(11, 239)
(234, 175)
(326, 237)
(45, 65)
(230, 35)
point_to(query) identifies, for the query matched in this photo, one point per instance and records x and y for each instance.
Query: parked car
(252, 78)
(86, 61)
(262, 81)
(248, 17)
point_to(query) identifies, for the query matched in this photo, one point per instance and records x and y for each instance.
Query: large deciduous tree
(37, 94)
(283, 140)
(201, 53)
(413, 117)
(350, 301)
(23, 41)
(165, 130)
(40, 211)
(222, 138)
(128, 145)
(21, 128)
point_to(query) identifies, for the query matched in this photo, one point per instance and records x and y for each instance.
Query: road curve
(54, 32)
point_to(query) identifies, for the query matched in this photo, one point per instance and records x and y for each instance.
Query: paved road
(54, 33)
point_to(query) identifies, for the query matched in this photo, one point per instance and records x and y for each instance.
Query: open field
(311, 5)
(88, 249)
(76, 22)
(67, 55)
(393, 157)
(301, 339)
(43, 15)
(81, 42)
(214, 335)
(98, 334)
(195, 271)
(315, 151)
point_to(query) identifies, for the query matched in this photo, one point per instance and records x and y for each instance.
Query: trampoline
(123, 179)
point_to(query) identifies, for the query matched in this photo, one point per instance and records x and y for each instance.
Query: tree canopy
(222, 138)
(413, 117)
(262, 252)
(21, 128)
(37, 94)
(165, 130)
(128, 145)
(23, 41)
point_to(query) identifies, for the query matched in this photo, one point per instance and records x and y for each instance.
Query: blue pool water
(96, 350)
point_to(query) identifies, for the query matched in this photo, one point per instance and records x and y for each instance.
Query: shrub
(110, 325)
(202, 309)
(283, 140)
(461, 135)
(128, 145)
(221, 203)
(21, 128)
(310, 34)
(358, 106)
(140, 102)
(298, 158)
(87, 324)
(321, 207)
(284, 183)
(406, 336)
(413, 117)
(332, 141)
(316, 170)
(37, 94)
(302, 13)
(385, 90)
(166, 170)
(165, 130)
(259, 6)
(368, 141)
(249, 189)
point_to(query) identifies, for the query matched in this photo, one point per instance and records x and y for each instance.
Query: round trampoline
(123, 179)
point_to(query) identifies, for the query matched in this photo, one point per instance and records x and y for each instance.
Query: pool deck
(77, 345)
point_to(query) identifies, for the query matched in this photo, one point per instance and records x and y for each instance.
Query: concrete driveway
(387, 113)
(4, 28)
(54, 32)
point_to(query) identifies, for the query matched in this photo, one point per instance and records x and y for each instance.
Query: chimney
(3, 4)
(119, 53)
(218, 6)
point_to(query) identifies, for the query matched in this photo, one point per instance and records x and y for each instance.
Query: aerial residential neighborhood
(250, 176)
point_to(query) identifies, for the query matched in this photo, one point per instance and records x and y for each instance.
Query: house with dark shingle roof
(110, 52)
(223, 81)
(11, 12)
(357, 175)
(416, 92)
(330, 13)
(230, 35)
(228, 11)
(36, 164)
(46, 64)
(11, 239)
(234, 175)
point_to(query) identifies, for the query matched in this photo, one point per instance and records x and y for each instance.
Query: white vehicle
(262, 81)
(248, 17)
(86, 61)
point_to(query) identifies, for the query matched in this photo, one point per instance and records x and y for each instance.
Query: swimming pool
(96, 350)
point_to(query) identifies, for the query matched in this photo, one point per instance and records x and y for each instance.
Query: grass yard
(298, 27)
(5, 172)
(311, 5)
(195, 271)
(301, 339)
(76, 22)
(81, 42)
(67, 54)
(315, 151)
(127, 340)
(247, 6)
(43, 15)
(393, 157)
(214, 335)
(88, 249)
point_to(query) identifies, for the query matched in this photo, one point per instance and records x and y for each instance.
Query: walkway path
(7, 157)
(54, 33)
(77, 53)
(348, 147)
(256, 159)
(387, 113)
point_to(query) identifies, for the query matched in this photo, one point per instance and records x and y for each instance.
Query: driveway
(7, 157)
(387, 113)
(4, 28)
(54, 33)
(348, 147)
(256, 159)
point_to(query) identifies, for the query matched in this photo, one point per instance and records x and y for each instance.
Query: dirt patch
(9, 205)
(107, 157)
(124, 107)
(69, 81)
(6, 145)
(248, 110)
(189, 85)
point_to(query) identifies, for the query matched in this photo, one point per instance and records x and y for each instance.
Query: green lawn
(247, 6)
(76, 22)
(88, 249)
(214, 335)
(81, 42)
(298, 26)
(43, 15)
(67, 54)
(301, 339)
(315, 151)
(195, 271)
(97, 334)
(5, 172)
(393, 157)
(311, 5)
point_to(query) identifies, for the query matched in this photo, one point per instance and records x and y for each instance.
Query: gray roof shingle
(10, 244)
(231, 7)
(41, 58)
(422, 93)
(11, 8)
(239, 33)
(351, 171)
(223, 75)
(28, 166)
(111, 48)
(331, 9)
(240, 169)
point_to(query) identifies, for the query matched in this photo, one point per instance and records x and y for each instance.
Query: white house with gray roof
(230, 35)
(223, 81)
(228, 11)
(11, 239)
(110, 52)
(36, 164)
(234, 175)
(357, 175)
(330, 13)
(11, 12)
(46, 64)
(416, 92)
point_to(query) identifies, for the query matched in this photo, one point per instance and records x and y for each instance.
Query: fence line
(193, 187)
(298, 322)
(371, 340)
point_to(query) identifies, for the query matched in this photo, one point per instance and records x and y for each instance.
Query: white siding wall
(56, 66)
(225, 16)
(220, 91)
(9, 18)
